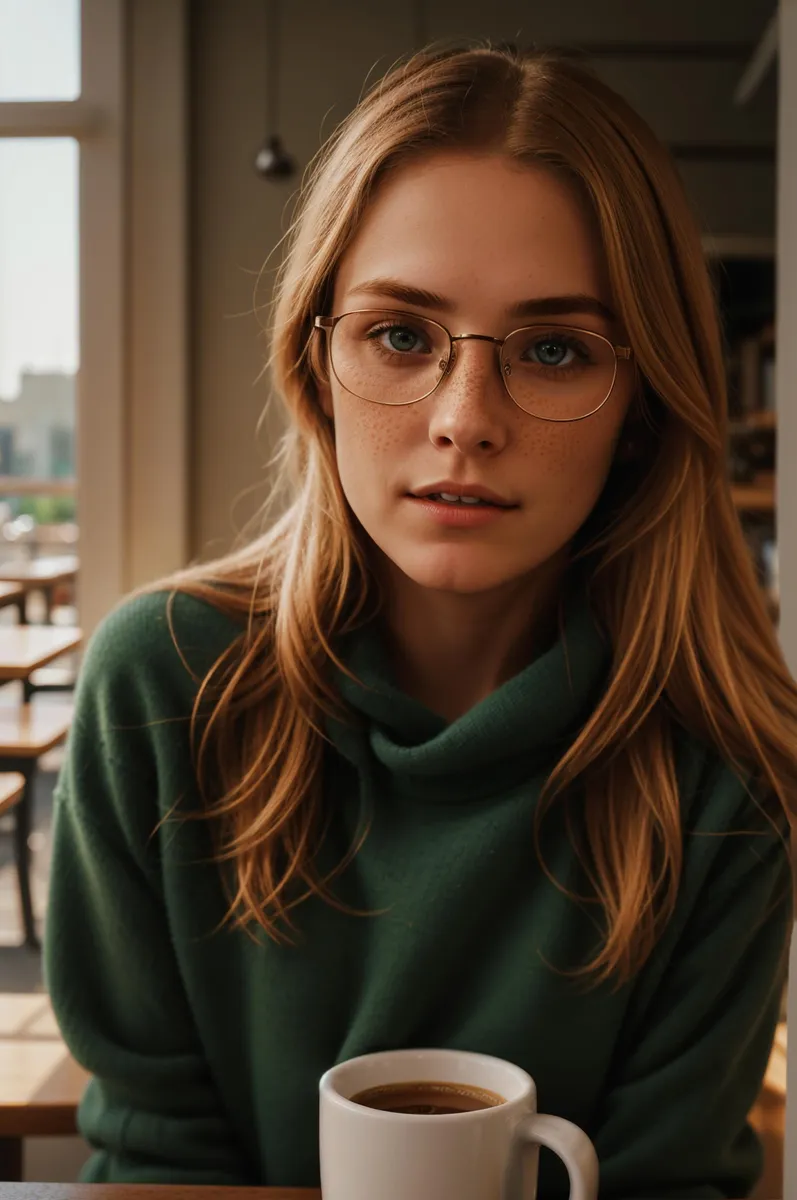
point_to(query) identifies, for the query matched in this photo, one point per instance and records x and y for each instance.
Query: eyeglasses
(554, 372)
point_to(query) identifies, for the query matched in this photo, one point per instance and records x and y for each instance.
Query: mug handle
(565, 1139)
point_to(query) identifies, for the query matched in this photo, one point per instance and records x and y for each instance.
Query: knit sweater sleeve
(151, 1111)
(697, 1041)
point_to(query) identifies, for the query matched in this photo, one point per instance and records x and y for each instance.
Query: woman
(488, 741)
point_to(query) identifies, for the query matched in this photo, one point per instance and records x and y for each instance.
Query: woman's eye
(401, 338)
(398, 339)
(552, 352)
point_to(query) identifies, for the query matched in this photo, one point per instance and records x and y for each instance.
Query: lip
(459, 516)
(463, 489)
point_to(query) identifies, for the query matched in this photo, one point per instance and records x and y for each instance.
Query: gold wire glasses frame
(447, 361)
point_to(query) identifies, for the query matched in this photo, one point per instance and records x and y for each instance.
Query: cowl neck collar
(506, 737)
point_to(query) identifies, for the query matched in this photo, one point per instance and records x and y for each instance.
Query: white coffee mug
(489, 1154)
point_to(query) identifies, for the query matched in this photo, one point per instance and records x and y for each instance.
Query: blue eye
(402, 338)
(551, 352)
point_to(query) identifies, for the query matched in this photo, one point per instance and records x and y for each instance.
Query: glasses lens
(556, 373)
(388, 357)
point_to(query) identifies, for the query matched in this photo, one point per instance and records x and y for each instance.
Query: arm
(151, 1111)
(674, 1124)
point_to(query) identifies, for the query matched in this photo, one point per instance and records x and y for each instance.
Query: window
(38, 341)
(39, 50)
(61, 284)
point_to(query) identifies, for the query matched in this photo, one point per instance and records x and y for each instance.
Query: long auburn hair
(670, 575)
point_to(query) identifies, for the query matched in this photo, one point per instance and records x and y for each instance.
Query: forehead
(477, 225)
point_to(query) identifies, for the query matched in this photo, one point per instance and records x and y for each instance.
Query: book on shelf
(749, 387)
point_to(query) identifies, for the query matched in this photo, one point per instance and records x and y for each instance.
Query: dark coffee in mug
(428, 1098)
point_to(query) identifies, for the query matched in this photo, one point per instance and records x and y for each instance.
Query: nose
(469, 409)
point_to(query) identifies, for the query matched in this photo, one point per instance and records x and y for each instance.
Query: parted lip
(463, 489)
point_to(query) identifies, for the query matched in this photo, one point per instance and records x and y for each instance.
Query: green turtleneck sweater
(206, 1047)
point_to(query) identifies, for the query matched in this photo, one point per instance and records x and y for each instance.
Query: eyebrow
(541, 306)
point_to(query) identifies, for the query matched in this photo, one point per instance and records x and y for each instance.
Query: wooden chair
(27, 731)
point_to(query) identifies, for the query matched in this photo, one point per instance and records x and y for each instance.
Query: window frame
(130, 121)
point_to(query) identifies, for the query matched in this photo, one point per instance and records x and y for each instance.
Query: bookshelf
(753, 420)
(744, 274)
(750, 246)
(758, 498)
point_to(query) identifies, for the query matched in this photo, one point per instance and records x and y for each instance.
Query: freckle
(541, 441)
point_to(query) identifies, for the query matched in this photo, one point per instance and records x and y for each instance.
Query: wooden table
(140, 1191)
(26, 648)
(27, 731)
(25, 651)
(11, 593)
(12, 785)
(42, 574)
(40, 1083)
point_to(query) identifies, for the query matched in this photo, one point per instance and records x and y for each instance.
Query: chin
(445, 569)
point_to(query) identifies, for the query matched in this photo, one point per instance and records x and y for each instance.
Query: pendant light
(272, 161)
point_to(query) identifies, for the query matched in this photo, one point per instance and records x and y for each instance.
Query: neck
(451, 650)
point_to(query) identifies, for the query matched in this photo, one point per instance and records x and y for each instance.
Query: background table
(40, 1082)
(138, 1191)
(43, 574)
(26, 648)
(11, 593)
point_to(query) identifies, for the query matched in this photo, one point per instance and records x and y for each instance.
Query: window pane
(39, 49)
(38, 346)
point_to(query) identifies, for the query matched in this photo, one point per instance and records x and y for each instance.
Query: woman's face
(485, 236)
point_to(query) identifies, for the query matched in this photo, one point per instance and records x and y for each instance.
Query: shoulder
(153, 647)
(734, 828)
(716, 795)
(128, 758)
(129, 743)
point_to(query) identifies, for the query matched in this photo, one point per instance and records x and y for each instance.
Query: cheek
(369, 441)
(570, 461)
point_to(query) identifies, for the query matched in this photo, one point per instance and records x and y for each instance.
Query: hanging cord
(272, 65)
(272, 161)
(420, 28)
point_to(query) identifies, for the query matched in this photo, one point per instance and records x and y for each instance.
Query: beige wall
(326, 51)
(239, 218)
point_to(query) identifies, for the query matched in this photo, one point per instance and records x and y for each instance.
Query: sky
(39, 60)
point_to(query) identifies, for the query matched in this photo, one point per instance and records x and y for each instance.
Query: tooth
(449, 496)
(471, 500)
